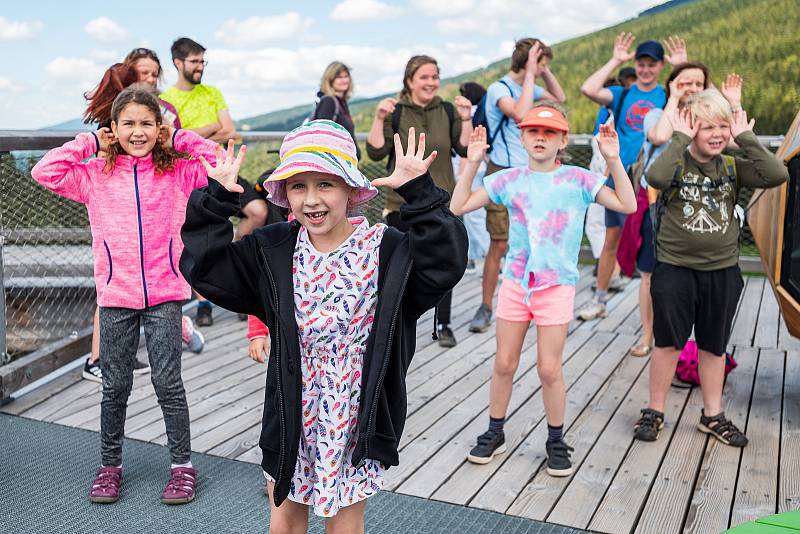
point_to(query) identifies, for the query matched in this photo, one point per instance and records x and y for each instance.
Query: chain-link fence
(46, 253)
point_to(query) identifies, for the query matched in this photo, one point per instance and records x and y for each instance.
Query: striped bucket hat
(321, 146)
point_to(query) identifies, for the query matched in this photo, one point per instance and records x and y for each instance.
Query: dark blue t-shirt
(630, 123)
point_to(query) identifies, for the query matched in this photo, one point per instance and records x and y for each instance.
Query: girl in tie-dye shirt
(547, 203)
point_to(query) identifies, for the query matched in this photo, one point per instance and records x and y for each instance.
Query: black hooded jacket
(254, 276)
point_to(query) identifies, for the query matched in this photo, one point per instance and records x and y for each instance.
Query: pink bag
(686, 371)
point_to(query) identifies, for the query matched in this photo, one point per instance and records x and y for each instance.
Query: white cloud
(255, 30)
(262, 80)
(14, 30)
(443, 9)
(84, 73)
(5, 83)
(363, 10)
(105, 30)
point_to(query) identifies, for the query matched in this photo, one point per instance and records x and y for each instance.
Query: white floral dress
(335, 296)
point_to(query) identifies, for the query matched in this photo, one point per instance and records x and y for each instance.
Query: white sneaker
(618, 283)
(593, 309)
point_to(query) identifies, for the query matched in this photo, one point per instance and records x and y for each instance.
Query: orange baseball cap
(546, 117)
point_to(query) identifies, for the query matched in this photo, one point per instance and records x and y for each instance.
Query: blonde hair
(332, 71)
(710, 106)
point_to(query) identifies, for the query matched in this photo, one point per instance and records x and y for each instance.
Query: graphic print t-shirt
(630, 123)
(546, 212)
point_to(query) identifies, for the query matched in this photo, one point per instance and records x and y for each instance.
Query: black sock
(554, 433)
(496, 425)
(204, 304)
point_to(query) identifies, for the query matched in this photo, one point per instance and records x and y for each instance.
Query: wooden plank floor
(684, 482)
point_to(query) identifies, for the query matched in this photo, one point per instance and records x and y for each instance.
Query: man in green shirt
(202, 109)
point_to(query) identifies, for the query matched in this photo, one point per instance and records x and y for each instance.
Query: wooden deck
(684, 482)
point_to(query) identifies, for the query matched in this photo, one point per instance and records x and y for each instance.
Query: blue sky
(267, 55)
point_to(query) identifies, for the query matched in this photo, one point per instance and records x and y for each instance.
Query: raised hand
(622, 45)
(409, 165)
(676, 90)
(106, 138)
(740, 123)
(608, 142)
(165, 132)
(226, 171)
(732, 89)
(464, 107)
(385, 107)
(534, 54)
(476, 150)
(682, 121)
(676, 50)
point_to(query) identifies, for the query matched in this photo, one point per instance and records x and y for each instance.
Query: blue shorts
(646, 259)
(614, 219)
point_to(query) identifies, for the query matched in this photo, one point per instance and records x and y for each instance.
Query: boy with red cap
(546, 203)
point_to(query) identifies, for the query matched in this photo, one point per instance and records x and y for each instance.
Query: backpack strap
(502, 124)
(337, 109)
(618, 107)
(396, 119)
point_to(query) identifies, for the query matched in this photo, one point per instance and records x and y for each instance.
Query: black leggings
(443, 308)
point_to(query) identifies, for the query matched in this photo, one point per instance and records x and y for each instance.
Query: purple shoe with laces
(105, 488)
(180, 488)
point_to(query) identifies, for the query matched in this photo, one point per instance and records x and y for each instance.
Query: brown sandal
(640, 350)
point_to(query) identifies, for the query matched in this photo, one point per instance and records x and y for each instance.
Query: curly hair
(163, 158)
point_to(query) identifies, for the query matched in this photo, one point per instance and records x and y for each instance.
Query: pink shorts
(547, 307)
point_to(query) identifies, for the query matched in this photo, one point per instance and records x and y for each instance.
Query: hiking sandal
(649, 425)
(723, 429)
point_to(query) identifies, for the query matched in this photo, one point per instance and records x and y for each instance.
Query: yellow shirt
(198, 107)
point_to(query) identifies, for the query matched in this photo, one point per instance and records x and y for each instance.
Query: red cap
(546, 117)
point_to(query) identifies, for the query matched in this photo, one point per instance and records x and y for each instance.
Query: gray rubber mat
(46, 470)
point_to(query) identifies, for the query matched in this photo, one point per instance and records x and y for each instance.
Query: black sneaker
(140, 368)
(558, 462)
(203, 317)
(489, 444)
(482, 320)
(92, 371)
(723, 429)
(649, 425)
(446, 337)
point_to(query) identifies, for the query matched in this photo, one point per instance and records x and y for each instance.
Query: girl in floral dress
(341, 300)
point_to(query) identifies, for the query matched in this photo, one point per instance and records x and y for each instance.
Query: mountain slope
(756, 38)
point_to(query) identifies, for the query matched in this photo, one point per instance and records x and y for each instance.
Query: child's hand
(477, 148)
(622, 45)
(608, 142)
(464, 108)
(732, 90)
(385, 107)
(740, 124)
(676, 50)
(106, 138)
(258, 349)
(682, 121)
(165, 132)
(534, 54)
(409, 165)
(226, 171)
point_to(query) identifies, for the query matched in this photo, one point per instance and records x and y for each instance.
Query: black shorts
(248, 196)
(684, 298)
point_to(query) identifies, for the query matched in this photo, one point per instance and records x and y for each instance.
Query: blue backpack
(481, 119)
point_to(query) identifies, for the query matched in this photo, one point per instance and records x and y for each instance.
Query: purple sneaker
(180, 488)
(105, 488)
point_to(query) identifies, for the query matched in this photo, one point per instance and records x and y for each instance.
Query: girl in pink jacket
(136, 199)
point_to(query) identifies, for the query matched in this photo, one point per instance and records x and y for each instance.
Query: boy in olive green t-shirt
(696, 283)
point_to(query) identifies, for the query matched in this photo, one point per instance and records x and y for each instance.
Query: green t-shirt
(198, 107)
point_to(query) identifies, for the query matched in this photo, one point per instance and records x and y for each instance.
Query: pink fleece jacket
(135, 215)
